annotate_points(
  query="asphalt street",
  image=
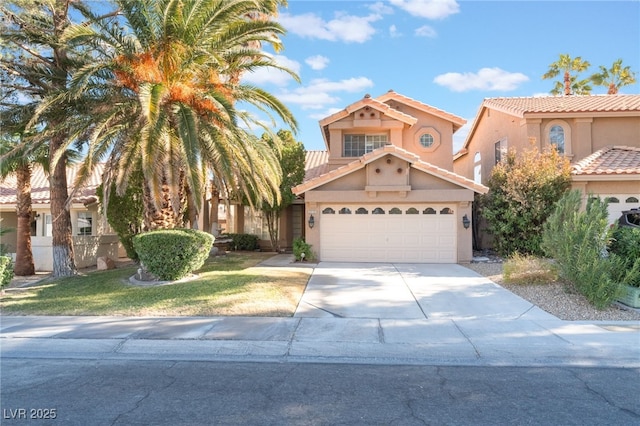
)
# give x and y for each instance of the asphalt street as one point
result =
(117, 392)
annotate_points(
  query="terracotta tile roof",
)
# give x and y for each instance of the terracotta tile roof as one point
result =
(565, 104)
(40, 186)
(373, 103)
(398, 152)
(612, 160)
(315, 164)
(457, 121)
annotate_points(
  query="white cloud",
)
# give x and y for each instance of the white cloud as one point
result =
(265, 75)
(430, 9)
(381, 8)
(317, 62)
(321, 92)
(494, 79)
(425, 31)
(325, 114)
(344, 27)
(393, 31)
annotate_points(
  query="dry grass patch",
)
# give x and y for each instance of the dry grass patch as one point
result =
(524, 269)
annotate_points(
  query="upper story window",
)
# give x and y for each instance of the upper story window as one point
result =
(556, 137)
(358, 145)
(426, 140)
(500, 150)
(557, 133)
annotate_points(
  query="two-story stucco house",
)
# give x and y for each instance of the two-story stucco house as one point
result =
(600, 134)
(385, 191)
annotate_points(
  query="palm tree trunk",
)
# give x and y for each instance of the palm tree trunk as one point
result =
(24, 256)
(62, 242)
(160, 217)
(567, 83)
(64, 264)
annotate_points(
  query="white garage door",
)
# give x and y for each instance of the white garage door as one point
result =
(619, 203)
(403, 233)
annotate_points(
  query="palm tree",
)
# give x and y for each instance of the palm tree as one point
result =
(20, 166)
(614, 78)
(570, 85)
(164, 90)
(35, 68)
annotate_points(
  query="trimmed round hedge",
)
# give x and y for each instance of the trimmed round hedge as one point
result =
(172, 254)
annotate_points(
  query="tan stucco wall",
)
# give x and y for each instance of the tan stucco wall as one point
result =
(587, 135)
(494, 126)
(425, 188)
(398, 134)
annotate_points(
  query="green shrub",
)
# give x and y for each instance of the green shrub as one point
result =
(528, 269)
(125, 213)
(578, 240)
(300, 247)
(522, 191)
(173, 254)
(6, 271)
(626, 244)
(243, 242)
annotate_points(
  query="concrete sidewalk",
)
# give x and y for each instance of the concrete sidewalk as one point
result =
(421, 314)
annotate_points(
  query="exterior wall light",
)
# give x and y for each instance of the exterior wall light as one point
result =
(465, 221)
(312, 221)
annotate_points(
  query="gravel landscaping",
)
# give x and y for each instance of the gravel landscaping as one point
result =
(557, 298)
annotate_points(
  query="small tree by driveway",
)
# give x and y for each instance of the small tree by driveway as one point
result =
(522, 191)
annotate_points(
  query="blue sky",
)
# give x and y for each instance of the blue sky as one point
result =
(448, 54)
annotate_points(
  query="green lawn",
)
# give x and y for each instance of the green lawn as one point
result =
(226, 285)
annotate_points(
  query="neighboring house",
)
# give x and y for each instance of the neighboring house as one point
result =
(385, 191)
(599, 134)
(92, 236)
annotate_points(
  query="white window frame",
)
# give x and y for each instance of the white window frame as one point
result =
(568, 152)
(84, 216)
(371, 142)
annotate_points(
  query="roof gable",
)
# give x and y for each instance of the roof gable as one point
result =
(393, 96)
(411, 158)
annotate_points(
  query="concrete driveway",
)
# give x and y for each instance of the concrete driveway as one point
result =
(409, 291)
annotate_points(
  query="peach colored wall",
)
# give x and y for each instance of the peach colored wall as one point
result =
(441, 156)
(587, 135)
(494, 126)
(616, 131)
(629, 187)
(398, 133)
(388, 170)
